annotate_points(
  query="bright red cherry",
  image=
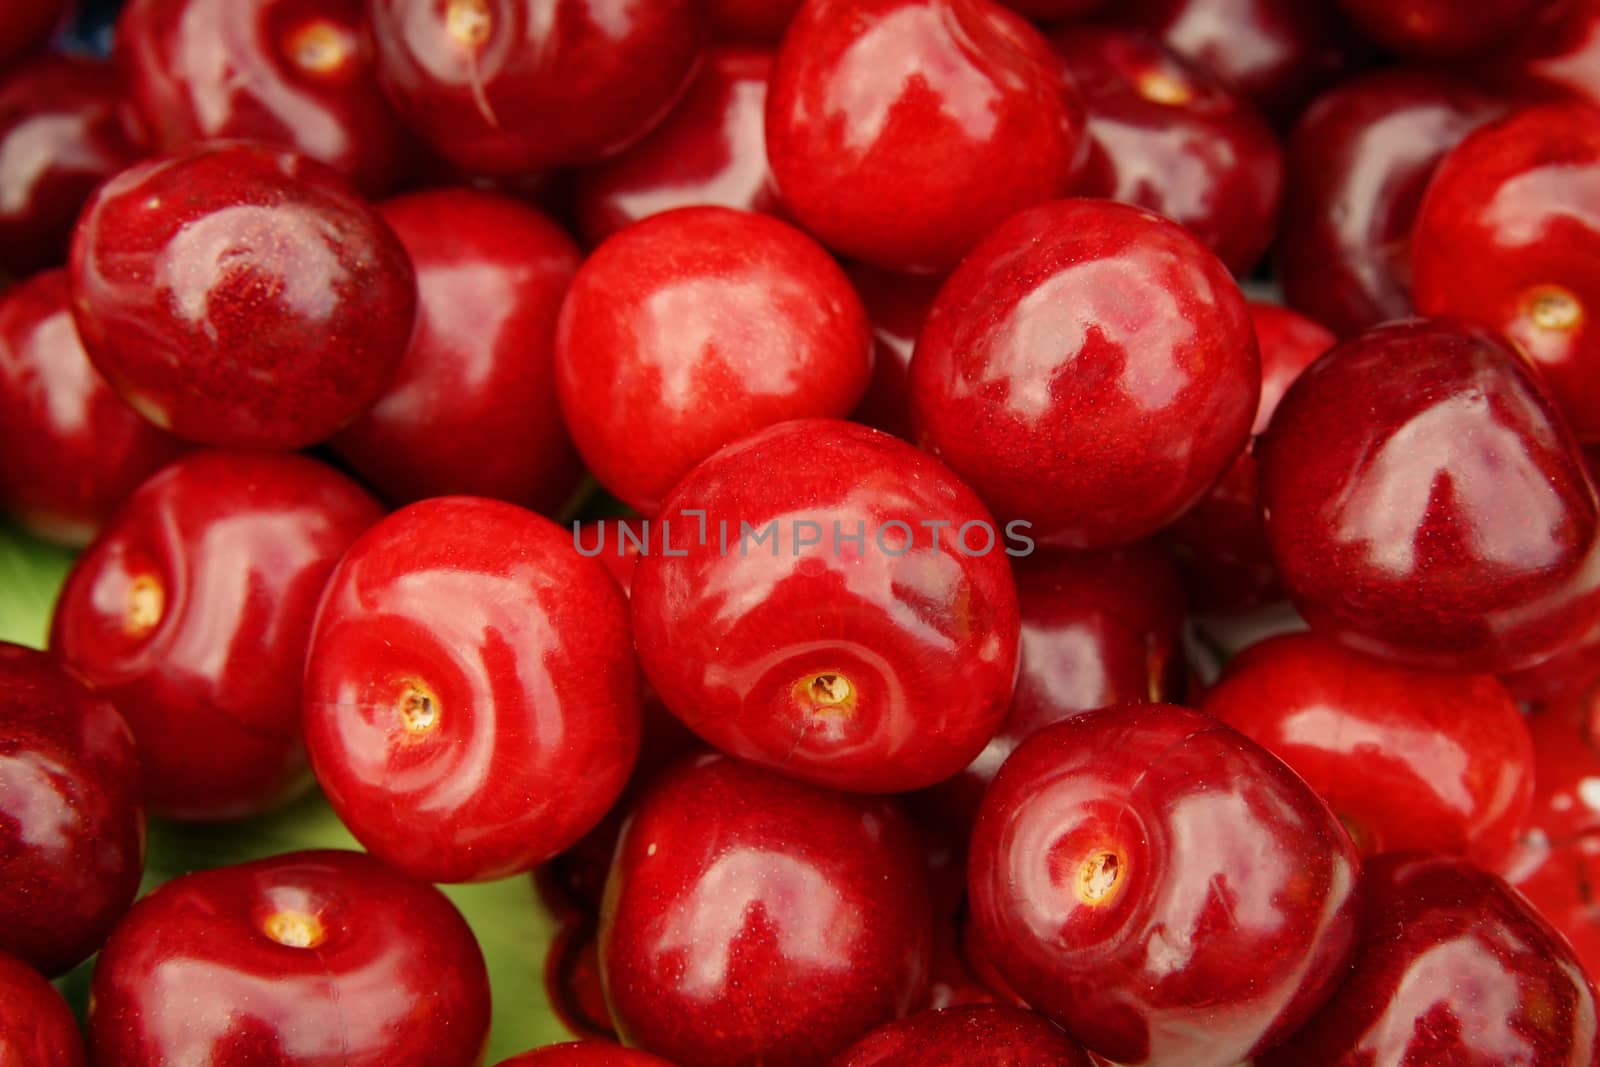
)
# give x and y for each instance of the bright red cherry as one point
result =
(506, 86)
(240, 295)
(902, 131)
(697, 327)
(1167, 134)
(1444, 30)
(761, 21)
(1509, 236)
(308, 958)
(1452, 967)
(1558, 56)
(859, 629)
(71, 817)
(897, 305)
(753, 919)
(471, 698)
(1161, 886)
(74, 451)
(36, 1027)
(585, 1054)
(472, 409)
(192, 611)
(25, 25)
(1090, 368)
(961, 1037)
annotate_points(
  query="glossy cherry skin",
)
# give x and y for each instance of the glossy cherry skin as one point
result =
(1359, 162)
(1559, 880)
(240, 295)
(60, 136)
(1441, 30)
(902, 131)
(1161, 886)
(1407, 758)
(844, 636)
(897, 305)
(761, 21)
(1090, 368)
(1509, 236)
(36, 1027)
(960, 1037)
(753, 919)
(471, 699)
(296, 73)
(712, 149)
(585, 1054)
(697, 327)
(1452, 967)
(1558, 56)
(1167, 134)
(192, 611)
(24, 26)
(507, 86)
(71, 815)
(472, 408)
(305, 958)
(74, 451)
(1425, 503)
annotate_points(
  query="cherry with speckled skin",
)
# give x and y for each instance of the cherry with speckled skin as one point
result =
(472, 408)
(74, 451)
(71, 817)
(240, 295)
(192, 611)
(694, 328)
(36, 1026)
(961, 1037)
(298, 959)
(897, 305)
(1407, 758)
(902, 131)
(1444, 31)
(1509, 235)
(1090, 368)
(1168, 135)
(60, 136)
(753, 919)
(1559, 881)
(24, 26)
(1557, 57)
(1451, 967)
(1359, 161)
(585, 1054)
(870, 650)
(471, 699)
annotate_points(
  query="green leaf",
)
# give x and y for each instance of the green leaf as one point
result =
(31, 573)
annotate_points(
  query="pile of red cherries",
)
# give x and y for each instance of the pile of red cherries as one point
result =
(873, 713)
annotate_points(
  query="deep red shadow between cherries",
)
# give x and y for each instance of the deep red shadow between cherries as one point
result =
(24, 26)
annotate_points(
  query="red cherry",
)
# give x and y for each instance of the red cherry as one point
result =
(572, 977)
(1560, 881)
(192, 612)
(902, 131)
(1443, 30)
(506, 86)
(74, 451)
(1509, 236)
(472, 409)
(1452, 967)
(833, 638)
(1053, 10)
(1408, 759)
(960, 1037)
(1167, 134)
(239, 295)
(1556, 57)
(1161, 886)
(71, 818)
(1426, 504)
(695, 328)
(752, 919)
(897, 305)
(36, 1028)
(471, 700)
(585, 1054)
(305, 958)
(24, 26)
(762, 21)
(1090, 368)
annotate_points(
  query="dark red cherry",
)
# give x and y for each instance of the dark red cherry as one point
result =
(902, 131)
(848, 617)
(897, 305)
(305, 958)
(1091, 369)
(1556, 57)
(585, 1054)
(26, 24)
(192, 611)
(472, 408)
(471, 699)
(1451, 967)
(241, 295)
(961, 1037)
(712, 149)
(295, 73)
(697, 327)
(1444, 30)
(1053, 10)
(1509, 236)
(1161, 886)
(761, 21)
(1167, 134)
(71, 817)
(508, 86)
(1425, 502)
(753, 919)
(74, 451)
(36, 1027)
(1562, 882)
(1407, 758)
(60, 136)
